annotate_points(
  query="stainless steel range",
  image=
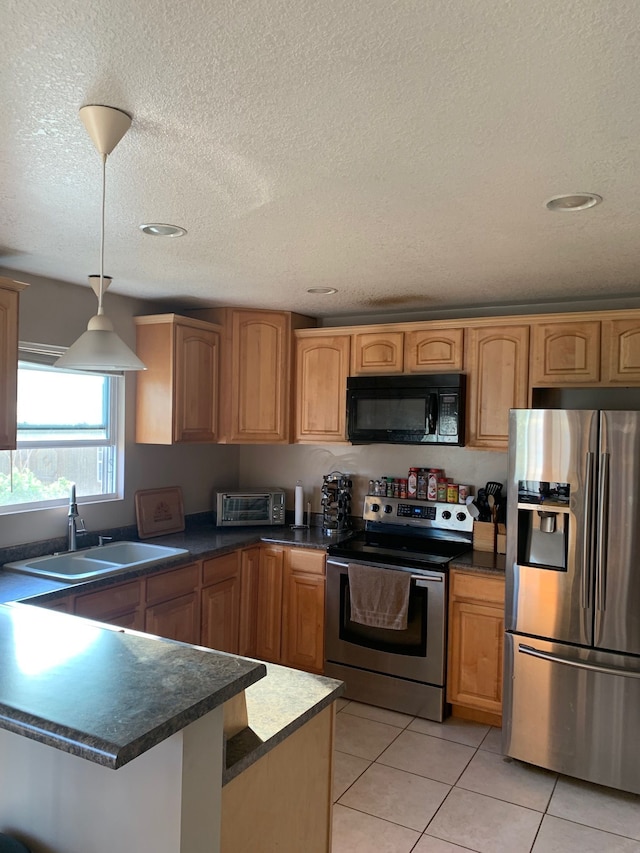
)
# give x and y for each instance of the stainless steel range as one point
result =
(403, 670)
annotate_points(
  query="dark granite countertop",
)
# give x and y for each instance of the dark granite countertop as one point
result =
(104, 694)
(202, 543)
(480, 561)
(276, 706)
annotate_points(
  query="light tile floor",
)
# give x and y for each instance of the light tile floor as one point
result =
(404, 784)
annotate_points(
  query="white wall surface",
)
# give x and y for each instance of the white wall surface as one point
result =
(284, 465)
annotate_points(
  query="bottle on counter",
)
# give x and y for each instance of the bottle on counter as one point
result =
(403, 489)
(371, 488)
(412, 483)
(422, 485)
(442, 490)
(390, 489)
(432, 484)
(452, 493)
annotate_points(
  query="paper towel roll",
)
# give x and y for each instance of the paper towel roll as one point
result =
(299, 511)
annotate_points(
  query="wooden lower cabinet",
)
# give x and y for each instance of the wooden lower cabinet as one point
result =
(282, 803)
(476, 630)
(303, 609)
(249, 578)
(269, 623)
(221, 602)
(171, 600)
(177, 619)
(119, 605)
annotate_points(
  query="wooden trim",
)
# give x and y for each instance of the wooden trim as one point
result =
(489, 719)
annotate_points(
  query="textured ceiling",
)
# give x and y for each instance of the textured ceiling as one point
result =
(398, 150)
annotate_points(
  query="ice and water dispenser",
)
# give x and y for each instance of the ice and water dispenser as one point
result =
(543, 524)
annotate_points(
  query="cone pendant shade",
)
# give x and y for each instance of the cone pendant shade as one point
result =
(100, 348)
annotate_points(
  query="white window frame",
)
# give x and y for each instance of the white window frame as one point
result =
(46, 355)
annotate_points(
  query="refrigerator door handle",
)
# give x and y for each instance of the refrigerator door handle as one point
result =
(578, 664)
(603, 533)
(587, 555)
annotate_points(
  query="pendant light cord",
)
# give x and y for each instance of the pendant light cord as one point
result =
(104, 184)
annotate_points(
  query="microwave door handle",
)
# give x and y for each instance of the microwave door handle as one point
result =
(432, 414)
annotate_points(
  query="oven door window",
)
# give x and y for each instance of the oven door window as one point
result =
(247, 508)
(412, 641)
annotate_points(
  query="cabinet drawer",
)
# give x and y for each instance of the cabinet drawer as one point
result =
(312, 562)
(481, 588)
(117, 599)
(172, 584)
(220, 568)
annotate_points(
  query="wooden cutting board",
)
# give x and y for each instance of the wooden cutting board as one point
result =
(159, 511)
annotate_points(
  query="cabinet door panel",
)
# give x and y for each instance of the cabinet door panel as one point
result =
(498, 366)
(109, 603)
(621, 352)
(270, 604)
(475, 671)
(304, 622)
(565, 353)
(433, 349)
(249, 579)
(260, 375)
(377, 353)
(177, 619)
(196, 384)
(322, 367)
(220, 615)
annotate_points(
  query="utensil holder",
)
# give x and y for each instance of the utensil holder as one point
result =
(484, 536)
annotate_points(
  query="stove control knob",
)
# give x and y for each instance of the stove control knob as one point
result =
(388, 508)
(375, 507)
(446, 515)
(461, 516)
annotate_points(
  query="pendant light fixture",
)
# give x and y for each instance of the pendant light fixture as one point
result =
(100, 348)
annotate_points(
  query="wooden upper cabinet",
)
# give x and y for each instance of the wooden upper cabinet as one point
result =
(432, 350)
(322, 367)
(258, 387)
(565, 353)
(497, 360)
(376, 353)
(177, 396)
(621, 352)
(9, 296)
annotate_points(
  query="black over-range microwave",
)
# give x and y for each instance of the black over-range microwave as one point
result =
(420, 409)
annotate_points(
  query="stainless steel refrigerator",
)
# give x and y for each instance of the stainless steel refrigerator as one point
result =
(572, 613)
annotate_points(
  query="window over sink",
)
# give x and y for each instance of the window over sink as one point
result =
(67, 433)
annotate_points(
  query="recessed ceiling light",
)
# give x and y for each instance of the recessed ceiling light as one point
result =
(158, 229)
(573, 201)
(326, 291)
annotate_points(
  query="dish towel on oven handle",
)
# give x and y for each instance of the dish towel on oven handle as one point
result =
(379, 597)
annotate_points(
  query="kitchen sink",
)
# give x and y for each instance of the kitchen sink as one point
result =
(98, 562)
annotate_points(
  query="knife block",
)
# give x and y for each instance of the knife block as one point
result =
(484, 536)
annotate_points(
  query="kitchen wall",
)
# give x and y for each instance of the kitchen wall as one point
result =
(284, 465)
(56, 313)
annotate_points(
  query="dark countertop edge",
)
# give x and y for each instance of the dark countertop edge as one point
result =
(253, 753)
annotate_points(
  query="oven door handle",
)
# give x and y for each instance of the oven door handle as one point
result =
(421, 580)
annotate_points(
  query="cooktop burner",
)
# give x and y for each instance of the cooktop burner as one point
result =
(396, 551)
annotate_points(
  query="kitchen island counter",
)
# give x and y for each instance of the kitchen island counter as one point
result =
(104, 694)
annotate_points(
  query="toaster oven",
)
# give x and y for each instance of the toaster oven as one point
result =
(246, 507)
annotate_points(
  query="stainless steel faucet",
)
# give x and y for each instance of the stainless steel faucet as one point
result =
(76, 523)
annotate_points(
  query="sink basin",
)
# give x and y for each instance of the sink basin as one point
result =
(102, 561)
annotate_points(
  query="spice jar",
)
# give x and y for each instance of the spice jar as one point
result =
(452, 493)
(442, 490)
(412, 483)
(422, 485)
